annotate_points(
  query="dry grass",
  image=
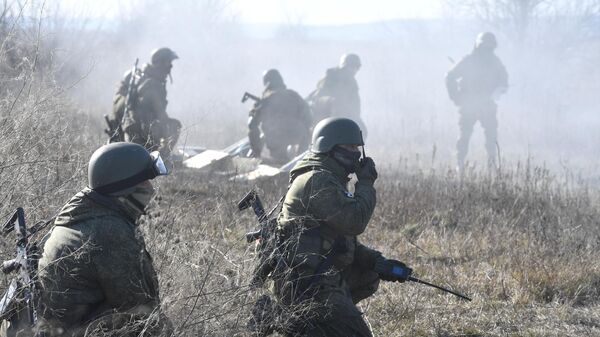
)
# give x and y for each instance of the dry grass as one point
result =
(521, 244)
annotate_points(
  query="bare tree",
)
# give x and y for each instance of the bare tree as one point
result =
(516, 18)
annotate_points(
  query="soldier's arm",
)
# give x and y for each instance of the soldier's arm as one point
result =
(452, 77)
(152, 100)
(122, 268)
(365, 257)
(324, 85)
(502, 76)
(329, 202)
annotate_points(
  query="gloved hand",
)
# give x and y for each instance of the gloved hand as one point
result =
(392, 270)
(366, 170)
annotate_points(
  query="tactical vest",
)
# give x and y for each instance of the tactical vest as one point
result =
(313, 248)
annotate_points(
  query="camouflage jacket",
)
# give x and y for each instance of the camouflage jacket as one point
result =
(339, 92)
(94, 264)
(283, 114)
(152, 96)
(150, 104)
(320, 218)
(475, 78)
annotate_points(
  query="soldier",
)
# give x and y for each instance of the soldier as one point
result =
(473, 85)
(95, 272)
(324, 271)
(336, 94)
(146, 122)
(284, 118)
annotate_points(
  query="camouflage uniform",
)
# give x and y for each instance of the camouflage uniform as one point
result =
(284, 118)
(324, 271)
(95, 272)
(336, 96)
(472, 84)
(148, 123)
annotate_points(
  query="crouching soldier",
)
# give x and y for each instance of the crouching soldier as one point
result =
(323, 270)
(284, 118)
(96, 276)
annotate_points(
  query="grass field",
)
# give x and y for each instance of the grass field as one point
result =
(521, 243)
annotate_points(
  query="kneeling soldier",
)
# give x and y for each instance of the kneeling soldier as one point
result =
(323, 270)
(95, 273)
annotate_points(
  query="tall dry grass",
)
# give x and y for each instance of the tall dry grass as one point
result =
(523, 243)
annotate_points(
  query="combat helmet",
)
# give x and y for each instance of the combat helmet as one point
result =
(162, 55)
(117, 167)
(334, 131)
(272, 77)
(486, 39)
(350, 60)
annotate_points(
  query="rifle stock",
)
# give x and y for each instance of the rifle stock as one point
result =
(130, 99)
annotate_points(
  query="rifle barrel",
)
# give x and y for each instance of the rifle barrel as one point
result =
(416, 280)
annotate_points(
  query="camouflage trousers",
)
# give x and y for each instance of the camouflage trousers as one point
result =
(329, 312)
(485, 113)
(361, 285)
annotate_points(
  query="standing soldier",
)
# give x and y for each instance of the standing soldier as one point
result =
(144, 118)
(284, 118)
(323, 270)
(473, 85)
(95, 273)
(337, 93)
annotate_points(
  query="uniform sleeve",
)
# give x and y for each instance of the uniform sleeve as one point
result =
(330, 203)
(324, 85)
(502, 76)
(124, 269)
(365, 256)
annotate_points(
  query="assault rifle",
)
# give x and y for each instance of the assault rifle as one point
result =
(115, 128)
(251, 199)
(248, 95)
(18, 304)
(264, 235)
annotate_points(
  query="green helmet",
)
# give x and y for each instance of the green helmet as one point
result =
(350, 60)
(119, 166)
(272, 77)
(162, 55)
(333, 131)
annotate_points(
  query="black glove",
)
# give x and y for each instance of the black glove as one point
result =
(392, 270)
(366, 170)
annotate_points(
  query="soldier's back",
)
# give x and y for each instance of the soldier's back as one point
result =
(82, 270)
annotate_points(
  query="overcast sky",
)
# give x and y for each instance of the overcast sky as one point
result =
(314, 12)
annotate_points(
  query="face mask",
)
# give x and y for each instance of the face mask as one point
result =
(140, 198)
(347, 159)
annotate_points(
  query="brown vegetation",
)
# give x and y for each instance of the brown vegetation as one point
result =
(523, 243)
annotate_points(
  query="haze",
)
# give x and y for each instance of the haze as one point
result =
(550, 114)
